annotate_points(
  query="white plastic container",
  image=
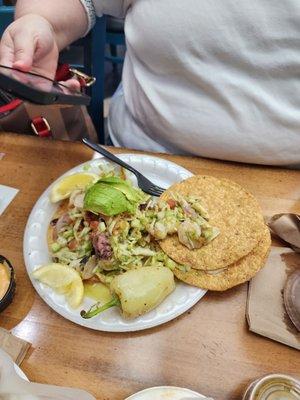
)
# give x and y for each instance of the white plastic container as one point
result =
(274, 387)
(167, 393)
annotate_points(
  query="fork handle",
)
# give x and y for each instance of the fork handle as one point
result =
(109, 155)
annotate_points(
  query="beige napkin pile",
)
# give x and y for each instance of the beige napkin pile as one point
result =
(287, 228)
(15, 347)
(266, 313)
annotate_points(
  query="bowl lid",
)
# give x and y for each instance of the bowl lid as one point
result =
(274, 387)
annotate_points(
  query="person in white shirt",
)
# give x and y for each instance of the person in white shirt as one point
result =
(218, 79)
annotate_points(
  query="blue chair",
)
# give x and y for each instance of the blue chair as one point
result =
(93, 63)
(114, 37)
(6, 16)
(94, 49)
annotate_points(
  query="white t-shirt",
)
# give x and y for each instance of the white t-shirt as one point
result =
(214, 78)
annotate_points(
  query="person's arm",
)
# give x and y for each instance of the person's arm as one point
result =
(40, 30)
(67, 17)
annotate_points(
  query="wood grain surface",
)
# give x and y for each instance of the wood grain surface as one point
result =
(208, 349)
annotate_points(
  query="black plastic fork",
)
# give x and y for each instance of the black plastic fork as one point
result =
(143, 183)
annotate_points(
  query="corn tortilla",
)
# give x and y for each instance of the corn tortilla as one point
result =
(231, 209)
(237, 273)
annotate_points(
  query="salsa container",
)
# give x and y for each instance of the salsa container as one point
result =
(274, 387)
(8, 296)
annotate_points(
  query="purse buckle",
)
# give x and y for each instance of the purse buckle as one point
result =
(41, 127)
(81, 76)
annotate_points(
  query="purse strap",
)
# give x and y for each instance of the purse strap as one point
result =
(65, 72)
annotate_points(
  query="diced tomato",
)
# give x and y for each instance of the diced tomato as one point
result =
(72, 244)
(94, 225)
(172, 203)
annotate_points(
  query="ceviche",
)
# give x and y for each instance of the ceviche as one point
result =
(106, 227)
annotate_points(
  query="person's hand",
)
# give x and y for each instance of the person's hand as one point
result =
(29, 44)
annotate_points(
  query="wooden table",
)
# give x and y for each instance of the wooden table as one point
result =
(208, 349)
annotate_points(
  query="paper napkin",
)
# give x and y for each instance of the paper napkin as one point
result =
(266, 313)
(7, 194)
(287, 228)
(14, 346)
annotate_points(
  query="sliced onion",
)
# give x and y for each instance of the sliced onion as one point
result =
(89, 267)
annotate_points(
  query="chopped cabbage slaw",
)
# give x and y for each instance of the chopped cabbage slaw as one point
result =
(100, 246)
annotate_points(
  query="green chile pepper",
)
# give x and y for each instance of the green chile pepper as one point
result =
(137, 291)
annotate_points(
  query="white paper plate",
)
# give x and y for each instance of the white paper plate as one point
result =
(165, 393)
(162, 172)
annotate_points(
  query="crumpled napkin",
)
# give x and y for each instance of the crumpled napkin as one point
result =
(287, 228)
(13, 387)
(7, 195)
(14, 346)
(266, 313)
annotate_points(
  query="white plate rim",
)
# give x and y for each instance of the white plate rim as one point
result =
(63, 312)
(189, 392)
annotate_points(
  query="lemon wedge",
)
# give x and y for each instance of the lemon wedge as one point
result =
(63, 188)
(64, 280)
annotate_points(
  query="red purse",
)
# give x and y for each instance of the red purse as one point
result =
(59, 121)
